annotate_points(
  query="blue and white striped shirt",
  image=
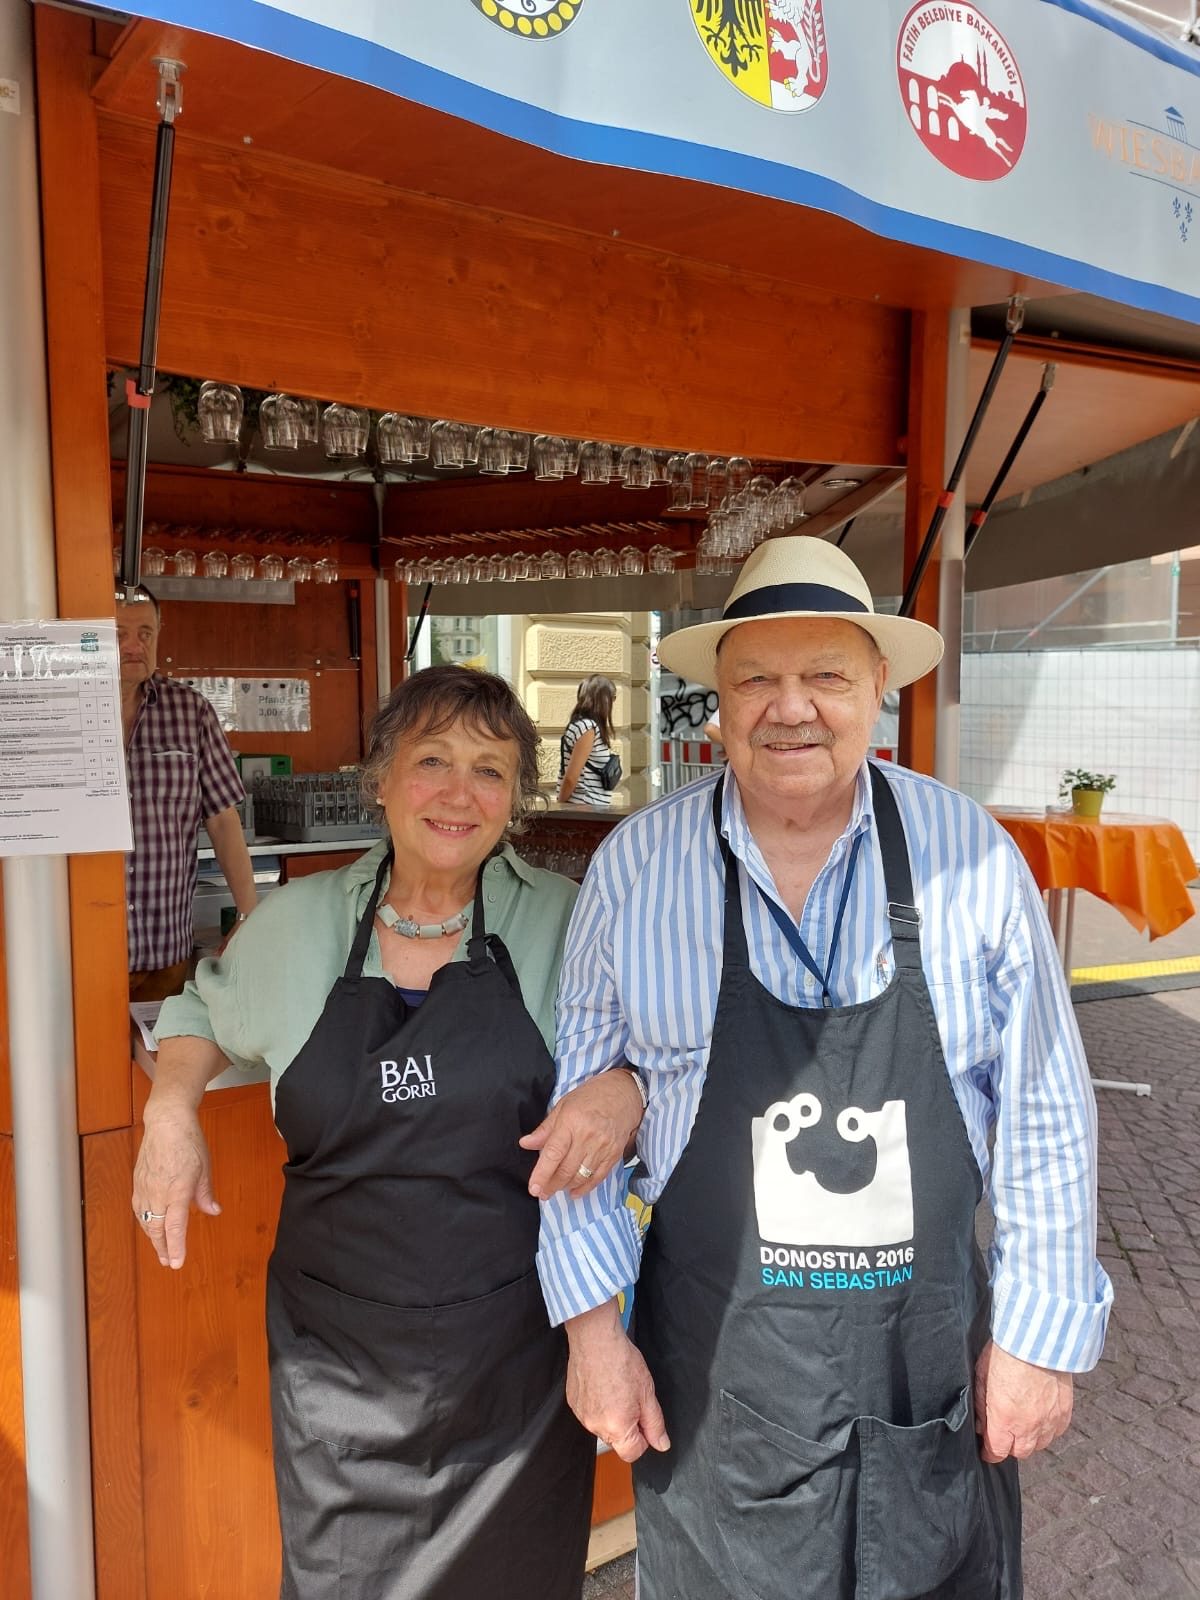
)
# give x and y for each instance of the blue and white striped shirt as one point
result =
(640, 978)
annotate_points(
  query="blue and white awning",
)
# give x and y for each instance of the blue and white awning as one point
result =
(1049, 137)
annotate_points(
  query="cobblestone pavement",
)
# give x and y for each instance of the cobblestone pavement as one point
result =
(1113, 1511)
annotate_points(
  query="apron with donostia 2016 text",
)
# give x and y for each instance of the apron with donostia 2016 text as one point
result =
(812, 1303)
(423, 1446)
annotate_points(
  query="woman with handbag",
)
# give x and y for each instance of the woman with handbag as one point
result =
(588, 770)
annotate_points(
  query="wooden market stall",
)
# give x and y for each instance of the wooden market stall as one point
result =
(330, 239)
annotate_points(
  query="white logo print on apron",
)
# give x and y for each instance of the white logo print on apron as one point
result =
(795, 1208)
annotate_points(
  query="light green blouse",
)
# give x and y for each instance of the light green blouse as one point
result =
(261, 999)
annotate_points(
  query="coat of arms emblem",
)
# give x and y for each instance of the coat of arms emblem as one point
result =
(774, 51)
(962, 90)
(531, 19)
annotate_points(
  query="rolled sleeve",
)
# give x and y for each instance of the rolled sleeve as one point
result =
(1051, 1297)
(220, 782)
(212, 1006)
(590, 1249)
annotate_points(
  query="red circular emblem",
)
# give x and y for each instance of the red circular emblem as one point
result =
(962, 89)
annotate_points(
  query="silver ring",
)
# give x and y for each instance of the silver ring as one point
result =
(584, 1172)
(151, 1216)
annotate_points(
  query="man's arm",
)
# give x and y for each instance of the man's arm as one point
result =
(590, 1247)
(233, 858)
(1050, 1296)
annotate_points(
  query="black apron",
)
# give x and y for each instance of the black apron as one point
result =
(812, 1301)
(423, 1446)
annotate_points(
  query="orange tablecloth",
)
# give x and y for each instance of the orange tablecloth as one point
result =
(1141, 865)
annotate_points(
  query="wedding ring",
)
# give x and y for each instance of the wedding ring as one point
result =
(152, 1216)
(585, 1172)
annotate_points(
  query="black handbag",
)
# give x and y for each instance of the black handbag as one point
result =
(610, 773)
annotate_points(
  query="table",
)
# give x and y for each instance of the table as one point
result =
(1140, 865)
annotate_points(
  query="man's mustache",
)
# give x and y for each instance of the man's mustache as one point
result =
(800, 736)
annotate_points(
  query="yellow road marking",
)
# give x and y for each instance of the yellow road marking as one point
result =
(1136, 969)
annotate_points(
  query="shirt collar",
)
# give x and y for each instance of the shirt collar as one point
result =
(742, 842)
(364, 869)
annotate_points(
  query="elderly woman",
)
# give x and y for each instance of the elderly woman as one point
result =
(405, 1008)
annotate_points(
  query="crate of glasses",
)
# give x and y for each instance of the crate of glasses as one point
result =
(313, 807)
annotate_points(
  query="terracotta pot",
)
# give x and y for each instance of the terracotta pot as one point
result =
(1087, 802)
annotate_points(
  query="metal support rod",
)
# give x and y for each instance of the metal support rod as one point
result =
(1059, 609)
(140, 393)
(416, 633)
(845, 533)
(54, 1379)
(1016, 316)
(980, 515)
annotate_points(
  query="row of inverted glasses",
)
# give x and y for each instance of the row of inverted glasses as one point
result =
(216, 564)
(603, 563)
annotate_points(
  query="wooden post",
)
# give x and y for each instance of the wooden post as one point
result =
(74, 289)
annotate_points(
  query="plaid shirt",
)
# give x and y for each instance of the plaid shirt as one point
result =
(181, 771)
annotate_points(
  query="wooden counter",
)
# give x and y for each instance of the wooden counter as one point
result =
(180, 1409)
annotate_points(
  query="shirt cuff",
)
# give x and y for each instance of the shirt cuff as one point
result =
(589, 1266)
(1047, 1330)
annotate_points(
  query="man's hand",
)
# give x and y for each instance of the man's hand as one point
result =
(172, 1174)
(1019, 1408)
(587, 1132)
(609, 1387)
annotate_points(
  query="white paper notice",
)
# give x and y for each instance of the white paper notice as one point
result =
(62, 761)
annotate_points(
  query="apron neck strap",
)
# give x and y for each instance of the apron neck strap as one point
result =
(736, 954)
(362, 936)
(903, 916)
(477, 945)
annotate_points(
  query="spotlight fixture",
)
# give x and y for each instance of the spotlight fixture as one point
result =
(841, 483)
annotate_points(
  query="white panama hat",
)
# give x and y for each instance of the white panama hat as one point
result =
(799, 576)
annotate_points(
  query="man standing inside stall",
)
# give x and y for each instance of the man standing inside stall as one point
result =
(838, 986)
(181, 774)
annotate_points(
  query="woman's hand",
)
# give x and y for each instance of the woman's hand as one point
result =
(581, 1140)
(173, 1173)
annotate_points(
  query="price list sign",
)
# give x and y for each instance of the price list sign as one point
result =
(62, 762)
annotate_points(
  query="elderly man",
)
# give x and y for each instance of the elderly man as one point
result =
(840, 991)
(181, 773)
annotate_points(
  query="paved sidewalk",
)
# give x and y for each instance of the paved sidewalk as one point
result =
(1113, 1512)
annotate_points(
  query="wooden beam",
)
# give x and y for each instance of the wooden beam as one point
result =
(70, 182)
(928, 356)
(852, 504)
(114, 1366)
(319, 282)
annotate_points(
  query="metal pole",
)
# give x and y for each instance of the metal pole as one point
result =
(948, 694)
(1016, 316)
(980, 515)
(140, 394)
(37, 914)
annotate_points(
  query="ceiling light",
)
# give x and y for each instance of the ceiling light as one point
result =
(841, 483)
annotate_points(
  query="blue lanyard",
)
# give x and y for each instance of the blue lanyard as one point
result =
(792, 934)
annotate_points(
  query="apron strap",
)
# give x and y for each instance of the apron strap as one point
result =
(902, 912)
(736, 954)
(362, 936)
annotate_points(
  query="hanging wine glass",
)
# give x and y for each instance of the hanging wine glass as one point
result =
(325, 570)
(219, 408)
(345, 429)
(216, 564)
(154, 562)
(242, 566)
(184, 562)
(279, 418)
(271, 568)
(309, 421)
(299, 569)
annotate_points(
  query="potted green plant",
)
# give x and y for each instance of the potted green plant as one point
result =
(1087, 790)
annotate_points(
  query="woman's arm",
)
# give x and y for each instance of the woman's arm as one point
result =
(579, 755)
(173, 1171)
